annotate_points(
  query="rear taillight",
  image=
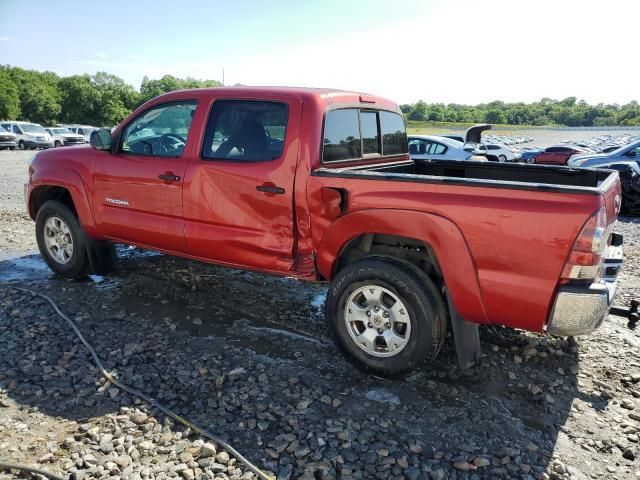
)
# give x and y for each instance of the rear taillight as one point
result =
(584, 261)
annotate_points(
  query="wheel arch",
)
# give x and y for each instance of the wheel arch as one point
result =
(65, 186)
(412, 236)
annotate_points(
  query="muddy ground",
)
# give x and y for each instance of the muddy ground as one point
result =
(248, 357)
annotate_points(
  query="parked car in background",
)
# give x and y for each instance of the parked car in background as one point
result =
(558, 154)
(7, 139)
(629, 172)
(432, 147)
(621, 154)
(458, 138)
(529, 153)
(29, 135)
(501, 152)
(63, 137)
(84, 130)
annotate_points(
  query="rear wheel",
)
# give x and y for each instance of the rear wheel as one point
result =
(386, 316)
(61, 241)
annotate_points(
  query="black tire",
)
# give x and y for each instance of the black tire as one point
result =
(12, 148)
(57, 144)
(22, 145)
(78, 265)
(502, 158)
(418, 293)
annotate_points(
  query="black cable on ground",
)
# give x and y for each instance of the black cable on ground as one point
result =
(27, 468)
(138, 393)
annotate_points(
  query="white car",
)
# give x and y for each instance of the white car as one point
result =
(500, 152)
(7, 139)
(432, 147)
(29, 135)
(84, 130)
(63, 136)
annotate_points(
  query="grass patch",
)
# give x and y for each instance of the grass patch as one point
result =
(416, 127)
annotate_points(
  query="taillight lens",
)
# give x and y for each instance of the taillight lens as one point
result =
(585, 258)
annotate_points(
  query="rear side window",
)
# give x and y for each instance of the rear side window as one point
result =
(245, 130)
(352, 134)
(437, 149)
(394, 135)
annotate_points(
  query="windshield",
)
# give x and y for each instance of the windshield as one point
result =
(32, 128)
(61, 131)
(3, 129)
(621, 150)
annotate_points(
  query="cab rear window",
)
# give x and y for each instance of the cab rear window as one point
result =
(353, 134)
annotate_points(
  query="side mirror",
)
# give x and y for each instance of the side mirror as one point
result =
(469, 147)
(101, 139)
(631, 153)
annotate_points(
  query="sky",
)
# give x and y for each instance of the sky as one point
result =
(450, 51)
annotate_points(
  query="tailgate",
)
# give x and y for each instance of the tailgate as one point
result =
(612, 198)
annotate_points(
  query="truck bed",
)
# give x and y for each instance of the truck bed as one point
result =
(484, 174)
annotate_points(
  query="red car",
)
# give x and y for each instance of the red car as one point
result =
(318, 185)
(559, 154)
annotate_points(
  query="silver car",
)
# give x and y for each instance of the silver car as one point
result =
(626, 153)
(63, 136)
(7, 139)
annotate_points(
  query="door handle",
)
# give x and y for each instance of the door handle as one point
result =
(272, 189)
(169, 177)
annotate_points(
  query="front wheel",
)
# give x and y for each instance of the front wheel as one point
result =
(61, 241)
(22, 145)
(502, 158)
(386, 316)
(57, 144)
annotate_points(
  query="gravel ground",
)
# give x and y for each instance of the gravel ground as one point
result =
(247, 357)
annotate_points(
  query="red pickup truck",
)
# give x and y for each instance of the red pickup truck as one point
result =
(317, 184)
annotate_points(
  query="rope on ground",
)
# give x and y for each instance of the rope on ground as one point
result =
(151, 401)
(27, 468)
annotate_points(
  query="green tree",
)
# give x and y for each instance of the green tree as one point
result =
(418, 111)
(9, 97)
(495, 116)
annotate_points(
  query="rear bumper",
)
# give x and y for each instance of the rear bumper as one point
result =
(579, 310)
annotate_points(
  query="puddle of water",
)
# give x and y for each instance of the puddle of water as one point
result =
(318, 300)
(127, 251)
(383, 395)
(29, 267)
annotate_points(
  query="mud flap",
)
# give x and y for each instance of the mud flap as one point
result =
(102, 256)
(466, 337)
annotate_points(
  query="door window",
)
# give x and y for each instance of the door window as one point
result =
(417, 146)
(17, 130)
(245, 130)
(161, 131)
